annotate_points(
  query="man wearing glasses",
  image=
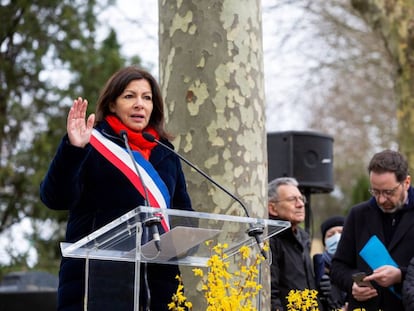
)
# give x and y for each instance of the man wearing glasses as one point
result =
(378, 238)
(291, 266)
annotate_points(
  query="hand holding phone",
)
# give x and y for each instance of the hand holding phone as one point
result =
(358, 278)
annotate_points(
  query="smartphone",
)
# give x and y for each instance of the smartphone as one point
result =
(357, 277)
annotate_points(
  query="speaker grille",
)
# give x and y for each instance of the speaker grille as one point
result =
(307, 156)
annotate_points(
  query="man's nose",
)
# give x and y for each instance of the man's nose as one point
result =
(381, 198)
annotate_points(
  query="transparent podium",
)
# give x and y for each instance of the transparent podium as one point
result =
(118, 250)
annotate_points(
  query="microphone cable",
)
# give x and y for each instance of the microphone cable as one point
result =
(253, 231)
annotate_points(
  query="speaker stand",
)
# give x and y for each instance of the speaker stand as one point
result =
(308, 210)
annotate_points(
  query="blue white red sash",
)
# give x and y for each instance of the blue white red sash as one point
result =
(158, 195)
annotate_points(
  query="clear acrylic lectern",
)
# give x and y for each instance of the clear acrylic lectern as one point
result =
(118, 245)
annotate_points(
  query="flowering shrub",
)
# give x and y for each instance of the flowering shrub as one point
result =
(224, 290)
(179, 301)
(305, 300)
(227, 291)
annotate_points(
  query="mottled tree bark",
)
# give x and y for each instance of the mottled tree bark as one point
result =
(394, 20)
(211, 75)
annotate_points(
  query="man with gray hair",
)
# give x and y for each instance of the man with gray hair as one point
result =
(291, 267)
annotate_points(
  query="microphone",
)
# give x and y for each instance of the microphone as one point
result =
(255, 232)
(150, 221)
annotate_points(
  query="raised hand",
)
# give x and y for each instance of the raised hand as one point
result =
(79, 129)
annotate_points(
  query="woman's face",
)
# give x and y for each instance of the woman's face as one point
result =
(134, 106)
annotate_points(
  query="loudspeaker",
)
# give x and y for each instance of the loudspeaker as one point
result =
(306, 156)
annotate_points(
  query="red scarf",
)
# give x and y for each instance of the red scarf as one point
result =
(135, 139)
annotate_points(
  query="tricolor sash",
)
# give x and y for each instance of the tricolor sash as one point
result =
(158, 195)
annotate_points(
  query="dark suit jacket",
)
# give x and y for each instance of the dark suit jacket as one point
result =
(364, 221)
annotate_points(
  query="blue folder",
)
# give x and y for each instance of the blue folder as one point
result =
(376, 255)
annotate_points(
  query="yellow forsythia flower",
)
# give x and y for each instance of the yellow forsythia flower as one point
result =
(225, 290)
(305, 300)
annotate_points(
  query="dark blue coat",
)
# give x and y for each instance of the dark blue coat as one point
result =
(336, 298)
(365, 220)
(95, 192)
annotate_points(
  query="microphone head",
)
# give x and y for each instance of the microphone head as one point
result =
(148, 137)
(123, 133)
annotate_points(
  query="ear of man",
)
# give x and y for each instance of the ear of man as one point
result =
(272, 209)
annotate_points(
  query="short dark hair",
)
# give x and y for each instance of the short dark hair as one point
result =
(389, 161)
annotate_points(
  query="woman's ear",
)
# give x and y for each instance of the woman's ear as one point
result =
(112, 107)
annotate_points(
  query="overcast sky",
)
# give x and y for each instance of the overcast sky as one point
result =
(278, 67)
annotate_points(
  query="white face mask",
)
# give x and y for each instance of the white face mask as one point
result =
(331, 243)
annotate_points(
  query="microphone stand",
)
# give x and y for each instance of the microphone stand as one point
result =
(253, 231)
(150, 221)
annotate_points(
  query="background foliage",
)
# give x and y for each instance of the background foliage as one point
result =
(49, 55)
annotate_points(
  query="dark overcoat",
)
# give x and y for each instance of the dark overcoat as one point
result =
(95, 192)
(364, 221)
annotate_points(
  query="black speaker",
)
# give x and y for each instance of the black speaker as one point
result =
(306, 156)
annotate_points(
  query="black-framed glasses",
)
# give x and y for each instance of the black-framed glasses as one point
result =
(387, 193)
(294, 199)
